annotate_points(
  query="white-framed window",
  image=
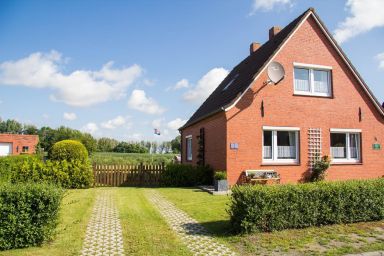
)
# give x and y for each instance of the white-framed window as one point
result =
(312, 80)
(280, 144)
(188, 140)
(345, 145)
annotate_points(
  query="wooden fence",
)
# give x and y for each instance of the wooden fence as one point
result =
(127, 175)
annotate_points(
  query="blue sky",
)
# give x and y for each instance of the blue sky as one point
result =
(122, 68)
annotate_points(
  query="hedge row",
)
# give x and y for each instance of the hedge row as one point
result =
(68, 174)
(185, 175)
(268, 208)
(28, 214)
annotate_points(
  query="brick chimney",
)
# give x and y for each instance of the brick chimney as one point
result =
(273, 31)
(253, 47)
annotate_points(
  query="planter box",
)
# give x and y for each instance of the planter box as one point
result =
(221, 185)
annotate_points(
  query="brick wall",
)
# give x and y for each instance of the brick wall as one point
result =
(19, 141)
(282, 108)
(215, 141)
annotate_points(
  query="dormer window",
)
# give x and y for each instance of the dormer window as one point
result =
(231, 82)
(312, 80)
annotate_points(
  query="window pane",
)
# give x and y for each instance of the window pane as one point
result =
(286, 145)
(302, 80)
(189, 148)
(321, 81)
(354, 145)
(267, 145)
(338, 145)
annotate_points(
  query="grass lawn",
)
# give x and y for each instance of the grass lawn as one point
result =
(328, 240)
(130, 158)
(74, 215)
(144, 231)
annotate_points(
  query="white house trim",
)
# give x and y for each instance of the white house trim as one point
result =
(188, 136)
(377, 105)
(344, 130)
(280, 128)
(311, 66)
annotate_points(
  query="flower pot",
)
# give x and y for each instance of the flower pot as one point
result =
(221, 185)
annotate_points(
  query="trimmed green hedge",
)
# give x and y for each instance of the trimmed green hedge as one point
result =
(268, 208)
(28, 214)
(186, 175)
(68, 174)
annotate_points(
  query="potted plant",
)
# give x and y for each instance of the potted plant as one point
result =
(221, 183)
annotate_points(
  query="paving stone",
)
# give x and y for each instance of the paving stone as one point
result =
(195, 236)
(104, 235)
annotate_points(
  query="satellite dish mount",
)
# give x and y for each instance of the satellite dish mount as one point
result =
(276, 73)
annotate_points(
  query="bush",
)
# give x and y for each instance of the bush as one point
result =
(69, 150)
(185, 175)
(319, 169)
(220, 175)
(29, 214)
(68, 174)
(268, 208)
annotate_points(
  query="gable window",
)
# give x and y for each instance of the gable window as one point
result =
(280, 144)
(188, 144)
(312, 80)
(345, 145)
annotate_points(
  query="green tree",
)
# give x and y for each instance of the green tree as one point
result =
(106, 144)
(11, 126)
(176, 144)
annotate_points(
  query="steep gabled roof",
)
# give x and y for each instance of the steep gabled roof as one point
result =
(249, 69)
(245, 72)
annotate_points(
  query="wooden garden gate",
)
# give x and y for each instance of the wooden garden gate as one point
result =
(127, 175)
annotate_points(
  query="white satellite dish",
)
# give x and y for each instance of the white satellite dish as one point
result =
(276, 72)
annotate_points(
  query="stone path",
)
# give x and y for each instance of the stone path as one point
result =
(198, 240)
(104, 236)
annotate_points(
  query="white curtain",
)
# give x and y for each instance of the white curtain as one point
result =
(321, 81)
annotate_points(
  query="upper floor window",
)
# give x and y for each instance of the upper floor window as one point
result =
(25, 149)
(312, 80)
(188, 140)
(280, 145)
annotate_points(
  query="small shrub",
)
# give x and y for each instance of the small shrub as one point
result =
(269, 208)
(29, 214)
(69, 150)
(185, 175)
(220, 175)
(319, 169)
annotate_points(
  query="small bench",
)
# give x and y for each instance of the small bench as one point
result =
(262, 177)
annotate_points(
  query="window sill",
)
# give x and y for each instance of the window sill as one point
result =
(313, 95)
(280, 164)
(347, 163)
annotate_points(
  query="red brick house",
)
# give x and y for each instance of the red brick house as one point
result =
(16, 144)
(322, 105)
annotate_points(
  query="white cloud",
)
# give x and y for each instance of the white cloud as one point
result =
(268, 5)
(364, 16)
(91, 128)
(176, 124)
(69, 116)
(206, 85)
(157, 123)
(183, 83)
(79, 88)
(139, 101)
(380, 57)
(114, 123)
